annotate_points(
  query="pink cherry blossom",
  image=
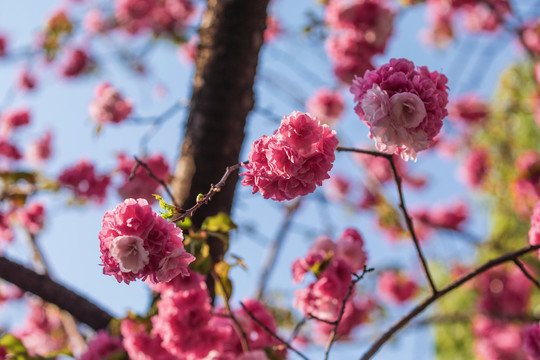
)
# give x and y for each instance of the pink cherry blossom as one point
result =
(137, 243)
(3, 45)
(531, 35)
(32, 217)
(531, 341)
(13, 119)
(27, 80)
(40, 150)
(94, 22)
(134, 15)
(292, 161)
(326, 105)
(534, 230)
(102, 346)
(141, 345)
(450, 216)
(480, 16)
(142, 185)
(85, 183)
(6, 233)
(188, 50)
(350, 248)
(109, 106)
(74, 63)
(469, 109)
(497, 339)
(337, 188)
(396, 287)
(273, 29)
(402, 106)
(9, 151)
(475, 167)
(254, 355)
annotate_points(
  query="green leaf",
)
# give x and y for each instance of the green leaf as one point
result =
(220, 223)
(170, 210)
(13, 345)
(223, 288)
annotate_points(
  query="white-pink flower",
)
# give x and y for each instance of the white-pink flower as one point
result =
(129, 252)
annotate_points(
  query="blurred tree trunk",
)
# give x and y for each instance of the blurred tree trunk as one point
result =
(231, 36)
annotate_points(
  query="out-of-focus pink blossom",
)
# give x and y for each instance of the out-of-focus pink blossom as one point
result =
(292, 161)
(326, 105)
(3, 45)
(381, 169)
(40, 150)
(9, 151)
(273, 29)
(350, 247)
(337, 188)
(537, 74)
(480, 16)
(188, 50)
(475, 167)
(468, 109)
(134, 15)
(141, 345)
(253, 355)
(534, 230)
(13, 119)
(109, 106)
(451, 217)
(32, 217)
(396, 287)
(6, 233)
(85, 183)
(497, 339)
(94, 22)
(531, 35)
(402, 106)
(142, 185)
(137, 243)
(75, 63)
(531, 341)
(102, 346)
(503, 292)
(26, 81)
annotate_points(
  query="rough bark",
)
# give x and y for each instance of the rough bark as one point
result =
(54, 293)
(231, 36)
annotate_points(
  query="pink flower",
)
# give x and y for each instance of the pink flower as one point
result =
(10, 151)
(469, 109)
(534, 230)
(350, 248)
(254, 355)
(32, 217)
(350, 54)
(449, 217)
(531, 35)
(94, 22)
(273, 29)
(480, 16)
(326, 105)
(13, 119)
(140, 345)
(403, 106)
(395, 287)
(292, 161)
(497, 339)
(531, 341)
(6, 233)
(102, 346)
(109, 106)
(134, 15)
(137, 243)
(337, 188)
(3, 45)
(475, 167)
(142, 185)
(76, 61)
(27, 81)
(40, 150)
(85, 183)
(188, 50)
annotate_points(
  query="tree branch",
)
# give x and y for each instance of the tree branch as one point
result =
(52, 292)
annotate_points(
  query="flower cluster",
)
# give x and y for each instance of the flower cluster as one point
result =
(85, 183)
(170, 17)
(360, 30)
(187, 327)
(136, 243)
(102, 346)
(450, 217)
(403, 106)
(326, 105)
(292, 161)
(395, 287)
(479, 16)
(32, 217)
(141, 185)
(469, 110)
(109, 106)
(332, 263)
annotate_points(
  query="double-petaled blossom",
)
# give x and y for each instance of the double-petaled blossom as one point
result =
(293, 161)
(109, 106)
(403, 106)
(136, 243)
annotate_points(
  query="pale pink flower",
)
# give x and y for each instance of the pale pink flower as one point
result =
(273, 29)
(531, 341)
(350, 54)
(94, 22)
(253, 355)
(102, 346)
(537, 74)
(326, 105)
(32, 217)
(109, 106)
(137, 243)
(395, 287)
(188, 50)
(337, 188)
(6, 233)
(497, 339)
(40, 150)
(475, 167)
(13, 119)
(85, 183)
(350, 248)
(403, 106)
(293, 161)
(26, 81)
(134, 15)
(531, 35)
(480, 16)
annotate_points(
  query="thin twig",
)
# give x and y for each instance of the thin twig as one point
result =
(237, 326)
(333, 334)
(272, 333)
(153, 176)
(435, 296)
(276, 246)
(202, 200)
(296, 329)
(526, 272)
(403, 208)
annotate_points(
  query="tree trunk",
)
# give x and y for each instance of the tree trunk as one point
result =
(231, 36)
